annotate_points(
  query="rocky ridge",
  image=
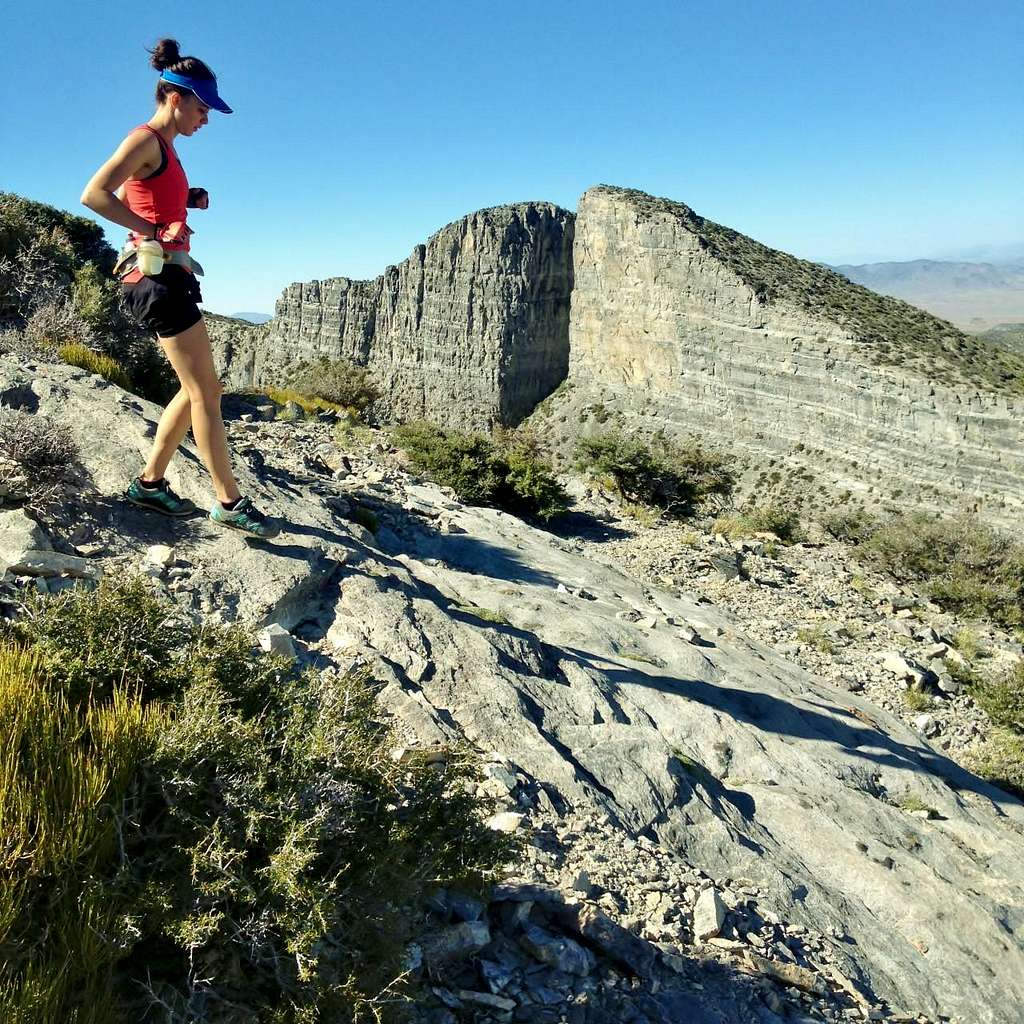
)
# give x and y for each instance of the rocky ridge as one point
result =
(630, 715)
(471, 328)
(647, 313)
(680, 325)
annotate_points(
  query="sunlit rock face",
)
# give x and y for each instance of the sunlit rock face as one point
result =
(667, 323)
(471, 330)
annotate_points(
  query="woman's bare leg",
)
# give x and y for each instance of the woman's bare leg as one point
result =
(170, 432)
(192, 359)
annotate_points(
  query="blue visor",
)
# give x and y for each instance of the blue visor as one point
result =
(205, 89)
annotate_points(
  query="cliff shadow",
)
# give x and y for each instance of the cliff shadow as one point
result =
(579, 525)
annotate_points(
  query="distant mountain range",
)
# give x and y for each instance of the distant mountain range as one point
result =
(974, 296)
(253, 318)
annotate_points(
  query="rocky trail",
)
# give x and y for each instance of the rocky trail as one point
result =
(724, 815)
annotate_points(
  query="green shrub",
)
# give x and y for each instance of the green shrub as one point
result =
(510, 474)
(1003, 698)
(491, 615)
(55, 286)
(96, 299)
(339, 382)
(65, 770)
(1000, 759)
(250, 852)
(121, 634)
(529, 486)
(965, 566)
(817, 637)
(40, 247)
(86, 359)
(851, 526)
(776, 519)
(917, 700)
(670, 477)
(300, 853)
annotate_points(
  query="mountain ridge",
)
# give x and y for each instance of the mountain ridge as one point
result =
(974, 295)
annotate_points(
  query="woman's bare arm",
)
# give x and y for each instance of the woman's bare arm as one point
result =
(137, 156)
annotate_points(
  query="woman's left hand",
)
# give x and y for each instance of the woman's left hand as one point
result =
(198, 199)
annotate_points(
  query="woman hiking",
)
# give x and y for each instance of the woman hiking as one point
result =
(152, 204)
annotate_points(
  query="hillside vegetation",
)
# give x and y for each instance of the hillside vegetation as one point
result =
(1008, 336)
(891, 332)
(59, 303)
(194, 831)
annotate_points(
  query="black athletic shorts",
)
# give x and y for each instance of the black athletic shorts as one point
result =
(166, 303)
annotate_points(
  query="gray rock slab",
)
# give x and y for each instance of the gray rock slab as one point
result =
(790, 772)
(741, 763)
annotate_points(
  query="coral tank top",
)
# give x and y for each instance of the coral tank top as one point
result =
(162, 197)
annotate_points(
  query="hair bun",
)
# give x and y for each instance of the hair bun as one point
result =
(165, 54)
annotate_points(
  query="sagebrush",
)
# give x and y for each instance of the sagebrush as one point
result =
(38, 455)
(965, 566)
(667, 476)
(507, 472)
(253, 852)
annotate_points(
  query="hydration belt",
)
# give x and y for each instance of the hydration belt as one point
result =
(174, 234)
(129, 259)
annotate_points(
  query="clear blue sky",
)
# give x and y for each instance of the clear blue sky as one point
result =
(845, 132)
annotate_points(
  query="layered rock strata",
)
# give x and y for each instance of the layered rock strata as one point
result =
(471, 330)
(663, 323)
(674, 323)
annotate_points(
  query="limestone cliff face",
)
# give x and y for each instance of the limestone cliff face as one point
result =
(675, 323)
(662, 322)
(471, 330)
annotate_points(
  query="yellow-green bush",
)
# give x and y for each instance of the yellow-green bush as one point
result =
(251, 827)
(65, 768)
(1002, 698)
(86, 359)
(783, 522)
(338, 382)
(1000, 759)
(310, 405)
(965, 566)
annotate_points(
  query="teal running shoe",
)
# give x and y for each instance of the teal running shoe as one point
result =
(160, 499)
(246, 518)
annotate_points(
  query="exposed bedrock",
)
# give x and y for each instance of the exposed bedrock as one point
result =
(663, 326)
(471, 330)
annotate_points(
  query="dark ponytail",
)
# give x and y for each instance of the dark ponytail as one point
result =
(166, 56)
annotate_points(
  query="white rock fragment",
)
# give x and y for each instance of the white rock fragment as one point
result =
(505, 821)
(52, 563)
(708, 915)
(276, 640)
(160, 554)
